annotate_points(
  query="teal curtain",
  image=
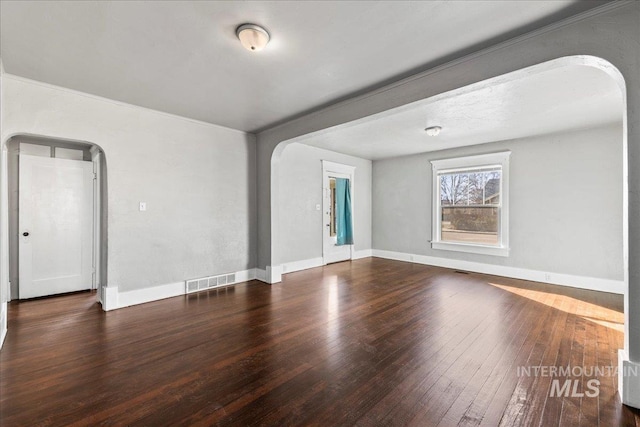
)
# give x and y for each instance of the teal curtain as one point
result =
(344, 223)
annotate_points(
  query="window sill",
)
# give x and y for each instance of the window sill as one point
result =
(474, 249)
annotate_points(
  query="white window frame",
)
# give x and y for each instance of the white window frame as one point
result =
(460, 164)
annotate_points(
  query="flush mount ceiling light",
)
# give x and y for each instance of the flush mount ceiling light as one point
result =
(253, 37)
(433, 130)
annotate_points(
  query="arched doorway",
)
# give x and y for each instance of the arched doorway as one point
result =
(571, 61)
(91, 268)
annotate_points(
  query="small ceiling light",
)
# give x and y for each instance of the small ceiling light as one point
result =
(253, 37)
(433, 130)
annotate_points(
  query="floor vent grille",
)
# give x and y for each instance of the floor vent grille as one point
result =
(196, 285)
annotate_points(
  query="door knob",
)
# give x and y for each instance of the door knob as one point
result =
(25, 234)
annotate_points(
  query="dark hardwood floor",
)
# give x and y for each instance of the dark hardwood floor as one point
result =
(369, 342)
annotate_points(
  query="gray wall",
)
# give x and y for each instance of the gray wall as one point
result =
(198, 180)
(301, 224)
(565, 203)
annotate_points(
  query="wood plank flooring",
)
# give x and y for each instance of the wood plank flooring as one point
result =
(369, 342)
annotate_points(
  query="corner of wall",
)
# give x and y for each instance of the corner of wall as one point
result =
(109, 298)
(628, 380)
(363, 253)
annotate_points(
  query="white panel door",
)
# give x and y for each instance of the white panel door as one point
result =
(331, 251)
(55, 226)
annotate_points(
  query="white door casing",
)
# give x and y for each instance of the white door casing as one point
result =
(55, 226)
(330, 251)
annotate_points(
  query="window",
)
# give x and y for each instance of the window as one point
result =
(471, 204)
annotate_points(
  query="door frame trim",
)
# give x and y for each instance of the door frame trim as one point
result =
(96, 158)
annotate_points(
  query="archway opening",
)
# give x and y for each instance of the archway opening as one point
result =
(595, 102)
(66, 152)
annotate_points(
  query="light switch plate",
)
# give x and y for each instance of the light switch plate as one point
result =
(143, 206)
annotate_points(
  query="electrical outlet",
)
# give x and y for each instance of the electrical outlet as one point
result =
(547, 277)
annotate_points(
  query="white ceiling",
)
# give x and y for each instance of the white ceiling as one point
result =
(560, 99)
(182, 57)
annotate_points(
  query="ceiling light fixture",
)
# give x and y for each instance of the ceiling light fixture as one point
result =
(253, 37)
(433, 130)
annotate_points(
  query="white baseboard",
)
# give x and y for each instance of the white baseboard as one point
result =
(113, 299)
(140, 296)
(293, 266)
(290, 267)
(591, 283)
(110, 298)
(269, 275)
(364, 253)
(3, 323)
(261, 275)
(274, 274)
(245, 275)
(628, 380)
